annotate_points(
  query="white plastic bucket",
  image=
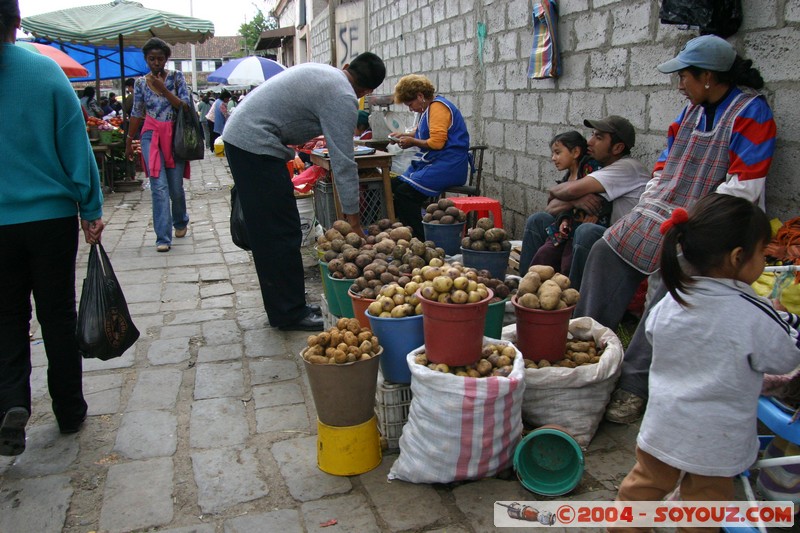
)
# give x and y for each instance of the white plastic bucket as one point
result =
(305, 207)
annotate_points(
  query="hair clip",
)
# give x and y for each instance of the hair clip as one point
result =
(679, 216)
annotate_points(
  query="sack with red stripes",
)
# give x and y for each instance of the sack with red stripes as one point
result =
(459, 427)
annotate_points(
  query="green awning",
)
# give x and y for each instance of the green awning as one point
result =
(104, 24)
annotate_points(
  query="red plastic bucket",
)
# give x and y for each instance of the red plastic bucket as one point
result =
(360, 309)
(542, 334)
(454, 332)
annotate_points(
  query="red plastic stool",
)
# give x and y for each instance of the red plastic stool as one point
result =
(481, 205)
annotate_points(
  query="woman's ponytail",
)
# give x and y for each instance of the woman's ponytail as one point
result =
(742, 74)
(673, 276)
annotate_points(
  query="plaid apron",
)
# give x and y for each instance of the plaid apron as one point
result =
(698, 163)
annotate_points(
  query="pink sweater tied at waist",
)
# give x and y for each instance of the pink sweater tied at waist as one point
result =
(160, 147)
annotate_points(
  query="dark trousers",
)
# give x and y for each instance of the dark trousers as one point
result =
(39, 258)
(273, 225)
(408, 205)
(212, 135)
(608, 286)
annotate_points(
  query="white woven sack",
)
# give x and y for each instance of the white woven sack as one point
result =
(459, 428)
(574, 398)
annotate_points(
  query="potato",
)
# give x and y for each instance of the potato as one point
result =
(471, 372)
(313, 340)
(441, 367)
(595, 359)
(549, 299)
(530, 283)
(318, 360)
(365, 357)
(484, 367)
(421, 359)
(570, 296)
(340, 357)
(581, 357)
(578, 346)
(545, 271)
(530, 300)
(562, 280)
(365, 347)
(544, 363)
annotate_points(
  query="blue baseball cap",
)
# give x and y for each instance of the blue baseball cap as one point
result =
(707, 52)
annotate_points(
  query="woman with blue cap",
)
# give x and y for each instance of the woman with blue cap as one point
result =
(722, 142)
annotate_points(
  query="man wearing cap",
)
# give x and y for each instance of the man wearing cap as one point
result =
(722, 142)
(303, 102)
(621, 180)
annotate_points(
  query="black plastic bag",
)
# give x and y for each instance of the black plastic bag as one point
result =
(105, 329)
(717, 17)
(187, 138)
(238, 227)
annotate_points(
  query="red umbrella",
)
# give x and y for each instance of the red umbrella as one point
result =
(71, 68)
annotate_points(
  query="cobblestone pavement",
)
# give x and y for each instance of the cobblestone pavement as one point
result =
(207, 424)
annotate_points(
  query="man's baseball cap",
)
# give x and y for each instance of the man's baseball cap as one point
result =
(617, 125)
(707, 52)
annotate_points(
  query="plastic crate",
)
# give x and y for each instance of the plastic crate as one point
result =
(392, 403)
(371, 204)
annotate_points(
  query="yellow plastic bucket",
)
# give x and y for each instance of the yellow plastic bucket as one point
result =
(348, 451)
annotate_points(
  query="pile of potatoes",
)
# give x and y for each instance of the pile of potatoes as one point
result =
(443, 212)
(496, 360)
(578, 353)
(484, 237)
(395, 301)
(543, 288)
(347, 342)
(451, 284)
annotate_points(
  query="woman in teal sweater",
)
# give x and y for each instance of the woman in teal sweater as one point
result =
(49, 177)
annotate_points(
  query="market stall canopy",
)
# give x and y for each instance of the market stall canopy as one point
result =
(105, 57)
(252, 70)
(71, 68)
(120, 20)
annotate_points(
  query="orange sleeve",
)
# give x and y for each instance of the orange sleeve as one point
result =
(439, 118)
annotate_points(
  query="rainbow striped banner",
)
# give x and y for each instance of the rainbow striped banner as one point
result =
(545, 59)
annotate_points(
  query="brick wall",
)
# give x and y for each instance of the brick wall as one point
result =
(610, 50)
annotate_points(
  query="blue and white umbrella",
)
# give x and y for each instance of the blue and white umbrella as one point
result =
(251, 70)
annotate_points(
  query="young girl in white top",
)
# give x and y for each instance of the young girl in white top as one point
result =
(713, 339)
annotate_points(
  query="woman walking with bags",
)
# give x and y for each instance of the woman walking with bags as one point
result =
(156, 99)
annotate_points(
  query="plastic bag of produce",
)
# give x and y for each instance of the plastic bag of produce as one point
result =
(187, 138)
(574, 398)
(104, 329)
(459, 427)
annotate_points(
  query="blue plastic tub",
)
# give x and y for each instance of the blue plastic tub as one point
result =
(494, 262)
(447, 236)
(398, 337)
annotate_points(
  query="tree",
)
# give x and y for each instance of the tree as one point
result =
(251, 31)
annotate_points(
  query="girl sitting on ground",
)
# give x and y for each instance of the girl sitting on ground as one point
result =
(568, 153)
(712, 328)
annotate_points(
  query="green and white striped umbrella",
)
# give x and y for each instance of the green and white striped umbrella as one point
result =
(111, 24)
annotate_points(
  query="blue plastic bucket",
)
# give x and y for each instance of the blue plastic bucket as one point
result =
(398, 337)
(447, 236)
(548, 461)
(494, 262)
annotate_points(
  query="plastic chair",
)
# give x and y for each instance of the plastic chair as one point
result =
(473, 185)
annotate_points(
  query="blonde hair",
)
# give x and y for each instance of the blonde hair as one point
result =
(409, 86)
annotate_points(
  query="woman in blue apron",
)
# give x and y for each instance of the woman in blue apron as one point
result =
(443, 142)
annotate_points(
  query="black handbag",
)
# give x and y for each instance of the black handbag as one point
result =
(238, 227)
(187, 136)
(717, 17)
(104, 329)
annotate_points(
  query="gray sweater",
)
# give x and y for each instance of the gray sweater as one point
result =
(295, 106)
(708, 365)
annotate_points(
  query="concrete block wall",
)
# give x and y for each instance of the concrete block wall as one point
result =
(609, 48)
